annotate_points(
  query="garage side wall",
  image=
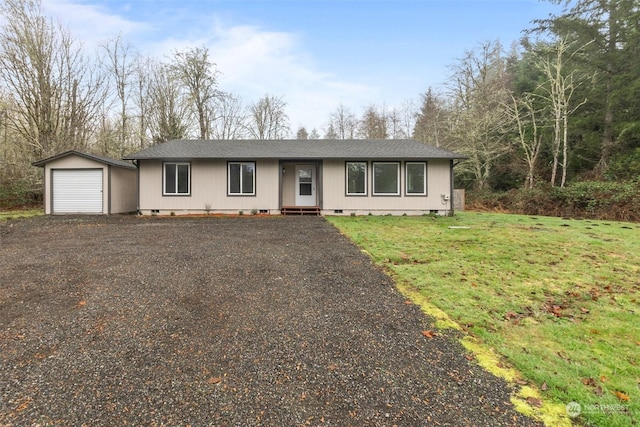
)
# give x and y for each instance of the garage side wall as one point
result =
(77, 163)
(124, 190)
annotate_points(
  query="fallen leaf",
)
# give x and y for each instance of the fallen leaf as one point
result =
(521, 382)
(544, 386)
(620, 395)
(603, 378)
(584, 310)
(214, 380)
(534, 401)
(598, 391)
(468, 357)
(510, 315)
(589, 382)
(81, 303)
(429, 334)
(408, 302)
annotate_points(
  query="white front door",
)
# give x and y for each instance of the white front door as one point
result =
(306, 185)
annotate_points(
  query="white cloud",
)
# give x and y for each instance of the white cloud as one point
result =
(256, 61)
(90, 24)
(253, 61)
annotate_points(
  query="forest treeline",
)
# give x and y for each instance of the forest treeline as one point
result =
(559, 108)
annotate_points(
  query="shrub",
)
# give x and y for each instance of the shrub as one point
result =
(20, 193)
(590, 199)
(624, 166)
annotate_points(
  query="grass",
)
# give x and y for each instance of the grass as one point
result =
(557, 299)
(21, 213)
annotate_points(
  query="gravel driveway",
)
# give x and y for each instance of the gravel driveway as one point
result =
(220, 321)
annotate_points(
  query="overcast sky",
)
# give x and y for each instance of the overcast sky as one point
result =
(317, 54)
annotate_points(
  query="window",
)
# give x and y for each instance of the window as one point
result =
(386, 178)
(176, 179)
(242, 178)
(416, 175)
(356, 178)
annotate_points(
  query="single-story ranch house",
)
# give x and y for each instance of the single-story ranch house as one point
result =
(256, 176)
(295, 176)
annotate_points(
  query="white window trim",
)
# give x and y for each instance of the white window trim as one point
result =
(229, 193)
(164, 179)
(406, 178)
(366, 171)
(373, 179)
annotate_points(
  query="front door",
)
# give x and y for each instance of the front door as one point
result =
(306, 185)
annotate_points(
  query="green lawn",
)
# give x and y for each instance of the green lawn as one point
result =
(557, 299)
(23, 213)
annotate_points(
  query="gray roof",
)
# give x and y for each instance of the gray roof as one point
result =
(356, 149)
(105, 160)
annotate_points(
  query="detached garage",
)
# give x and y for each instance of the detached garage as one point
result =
(81, 183)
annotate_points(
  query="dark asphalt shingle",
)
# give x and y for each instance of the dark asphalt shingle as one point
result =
(294, 149)
(101, 159)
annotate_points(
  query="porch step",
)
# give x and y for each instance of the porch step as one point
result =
(300, 210)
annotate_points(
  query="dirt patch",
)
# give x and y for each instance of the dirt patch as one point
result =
(220, 321)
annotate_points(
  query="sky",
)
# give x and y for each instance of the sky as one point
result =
(315, 54)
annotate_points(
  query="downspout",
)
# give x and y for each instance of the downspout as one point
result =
(135, 162)
(319, 196)
(108, 189)
(280, 183)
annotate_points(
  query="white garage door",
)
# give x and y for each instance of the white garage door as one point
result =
(77, 191)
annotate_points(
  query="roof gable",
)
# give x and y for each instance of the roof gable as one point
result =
(105, 160)
(294, 149)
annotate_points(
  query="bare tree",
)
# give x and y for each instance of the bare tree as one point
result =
(199, 77)
(55, 89)
(120, 66)
(558, 90)
(231, 118)
(480, 92)
(11, 150)
(167, 115)
(343, 123)
(395, 125)
(526, 118)
(407, 115)
(268, 119)
(144, 68)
